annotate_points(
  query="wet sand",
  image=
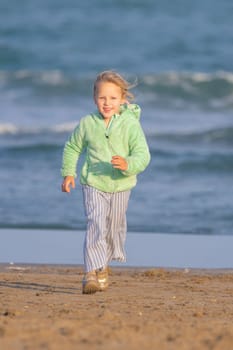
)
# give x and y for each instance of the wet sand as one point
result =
(42, 307)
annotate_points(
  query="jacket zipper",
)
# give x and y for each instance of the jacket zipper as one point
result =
(111, 149)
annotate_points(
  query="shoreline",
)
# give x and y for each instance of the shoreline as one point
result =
(24, 267)
(42, 307)
(62, 247)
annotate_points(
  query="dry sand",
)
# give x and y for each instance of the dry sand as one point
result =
(42, 307)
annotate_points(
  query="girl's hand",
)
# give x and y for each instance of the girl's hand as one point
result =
(119, 162)
(67, 182)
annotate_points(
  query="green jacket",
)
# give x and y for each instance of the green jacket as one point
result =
(123, 136)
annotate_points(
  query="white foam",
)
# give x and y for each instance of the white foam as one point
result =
(11, 129)
(8, 129)
(65, 127)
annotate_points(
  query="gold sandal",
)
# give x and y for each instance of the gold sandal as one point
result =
(90, 283)
(102, 277)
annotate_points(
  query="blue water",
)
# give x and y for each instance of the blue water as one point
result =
(180, 52)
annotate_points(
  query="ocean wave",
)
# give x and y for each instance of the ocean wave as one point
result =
(220, 135)
(207, 90)
(46, 82)
(12, 129)
(32, 148)
(212, 163)
(168, 89)
(194, 163)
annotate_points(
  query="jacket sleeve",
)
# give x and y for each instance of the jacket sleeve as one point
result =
(139, 156)
(72, 150)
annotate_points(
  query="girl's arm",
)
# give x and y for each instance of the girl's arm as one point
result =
(139, 156)
(71, 153)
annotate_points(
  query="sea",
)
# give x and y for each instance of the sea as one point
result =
(179, 54)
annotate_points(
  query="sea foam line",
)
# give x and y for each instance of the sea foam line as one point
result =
(12, 129)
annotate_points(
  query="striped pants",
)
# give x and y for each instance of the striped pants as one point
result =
(106, 227)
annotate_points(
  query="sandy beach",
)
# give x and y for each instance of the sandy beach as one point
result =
(42, 307)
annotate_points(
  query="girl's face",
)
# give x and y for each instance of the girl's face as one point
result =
(108, 99)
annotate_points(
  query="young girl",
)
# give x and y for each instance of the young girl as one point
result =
(116, 151)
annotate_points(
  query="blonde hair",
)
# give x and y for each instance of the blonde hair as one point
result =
(115, 78)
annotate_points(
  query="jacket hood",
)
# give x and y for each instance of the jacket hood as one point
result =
(133, 109)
